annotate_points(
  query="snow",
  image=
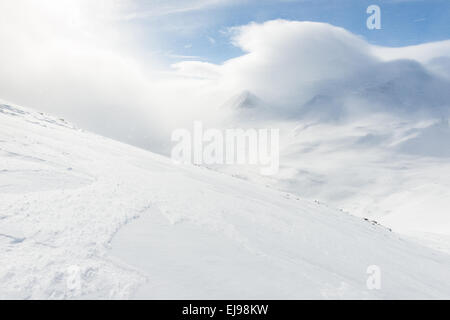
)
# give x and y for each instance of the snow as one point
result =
(138, 226)
(388, 168)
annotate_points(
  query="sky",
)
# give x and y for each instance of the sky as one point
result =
(134, 70)
(203, 32)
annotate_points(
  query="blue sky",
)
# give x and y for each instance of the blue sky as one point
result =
(201, 32)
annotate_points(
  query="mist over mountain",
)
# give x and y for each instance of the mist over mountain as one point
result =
(338, 77)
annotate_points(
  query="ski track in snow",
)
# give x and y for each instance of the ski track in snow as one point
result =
(65, 193)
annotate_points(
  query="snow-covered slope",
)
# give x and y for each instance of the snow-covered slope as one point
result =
(66, 195)
(391, 169)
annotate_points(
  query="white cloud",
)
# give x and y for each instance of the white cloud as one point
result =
(295, 65)
(70, 58)
(286, 59)
(155, 8)
(211, 40)
(423, 52)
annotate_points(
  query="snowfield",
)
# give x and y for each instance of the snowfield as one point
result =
(390, 169)
(138, 226)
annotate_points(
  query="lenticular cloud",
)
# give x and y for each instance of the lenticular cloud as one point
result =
(309, 68)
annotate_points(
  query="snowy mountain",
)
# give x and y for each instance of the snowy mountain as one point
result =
(131, 224)
(243, 100)
(402, 87)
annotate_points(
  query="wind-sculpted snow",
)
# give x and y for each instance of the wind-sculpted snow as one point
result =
(65, 194)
